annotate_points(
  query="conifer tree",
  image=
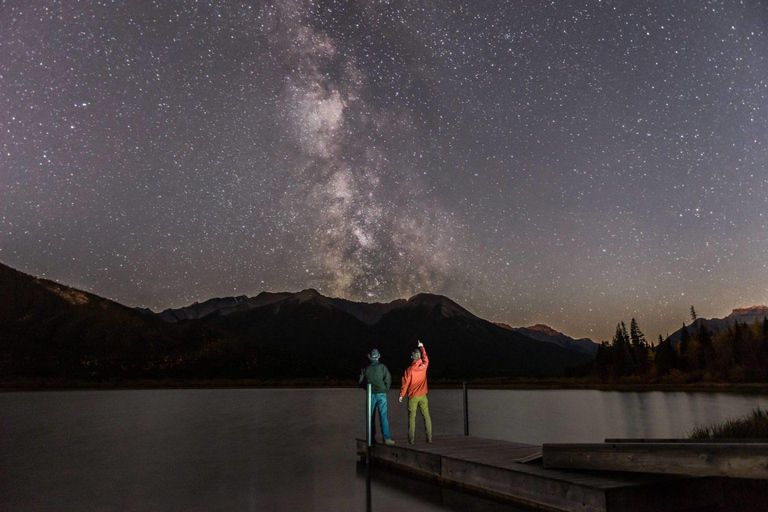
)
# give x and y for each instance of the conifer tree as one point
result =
(625, 364)
(694, 316)
(664, 356)
(602, 360)
(636, 336)
(639, 348)
(683, 346)
(737, 338)
(618, 338)
(738, 353)
(705, 342)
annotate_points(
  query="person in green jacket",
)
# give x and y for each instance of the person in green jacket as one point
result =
(377, 375)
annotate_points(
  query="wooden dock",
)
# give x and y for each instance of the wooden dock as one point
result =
(514, 472)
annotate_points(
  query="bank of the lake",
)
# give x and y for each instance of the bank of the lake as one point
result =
(501, 383)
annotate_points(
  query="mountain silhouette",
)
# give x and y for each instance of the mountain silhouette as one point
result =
(744, 315)
(334, 333)
(48, 330)
(222, 306)
(545, 333)
(466, 345)
(368, 313)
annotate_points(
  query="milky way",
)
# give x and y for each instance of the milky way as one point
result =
(570, 163)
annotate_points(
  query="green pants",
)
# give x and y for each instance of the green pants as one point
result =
(422, 404)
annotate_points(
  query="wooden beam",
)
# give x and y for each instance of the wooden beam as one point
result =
(683, 440)
(732, 460)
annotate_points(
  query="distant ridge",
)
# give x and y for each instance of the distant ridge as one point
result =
(749, 314)
(745, 315)
(368, 313)
(547, 334)
(336, 332)
(51, 331)
(223, 306)
(439, 303)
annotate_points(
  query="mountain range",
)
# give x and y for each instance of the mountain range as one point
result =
(302, 322)
(51, 330)
(545, 333)
(368, 313)
(48, 330)
(746, 315)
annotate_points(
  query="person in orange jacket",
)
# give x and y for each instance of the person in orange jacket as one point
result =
(414, 384)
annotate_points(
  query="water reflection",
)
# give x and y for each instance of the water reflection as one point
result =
(368, 495)
(423, 492)
(285, 450)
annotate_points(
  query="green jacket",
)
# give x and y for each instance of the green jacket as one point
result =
(377, 374)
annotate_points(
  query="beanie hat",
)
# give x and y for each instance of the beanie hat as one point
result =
(374, 355)
(416, 354)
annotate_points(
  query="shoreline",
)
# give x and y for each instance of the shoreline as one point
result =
(488, 384)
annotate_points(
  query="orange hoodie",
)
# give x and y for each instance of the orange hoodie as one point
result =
(415, 377)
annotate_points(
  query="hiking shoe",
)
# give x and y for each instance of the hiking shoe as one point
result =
(389, 442)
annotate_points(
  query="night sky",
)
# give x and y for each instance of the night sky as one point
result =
(570, 163)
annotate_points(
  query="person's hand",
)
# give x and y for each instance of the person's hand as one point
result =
(400, 399)
(420, 344)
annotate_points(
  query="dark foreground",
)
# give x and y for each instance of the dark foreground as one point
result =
(514, 472)
(289, 449)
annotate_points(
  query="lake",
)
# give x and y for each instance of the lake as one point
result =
(286, 450)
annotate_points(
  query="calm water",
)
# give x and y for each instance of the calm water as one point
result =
(286, 449)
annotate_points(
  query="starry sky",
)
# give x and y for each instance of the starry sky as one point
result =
(573, 163)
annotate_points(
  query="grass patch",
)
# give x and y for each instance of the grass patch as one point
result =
(754, 426)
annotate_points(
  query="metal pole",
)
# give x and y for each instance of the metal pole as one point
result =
(368, 448)
(368, 487)
(368, 421)
(466, 410)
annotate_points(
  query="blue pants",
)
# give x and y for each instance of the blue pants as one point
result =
(379, 400)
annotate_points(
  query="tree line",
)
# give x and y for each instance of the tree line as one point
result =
(738, 353)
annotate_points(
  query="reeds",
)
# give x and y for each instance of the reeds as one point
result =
(754, 426)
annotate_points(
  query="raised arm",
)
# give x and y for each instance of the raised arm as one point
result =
(424, 358)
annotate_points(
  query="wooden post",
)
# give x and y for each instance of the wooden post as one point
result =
(466, 410)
